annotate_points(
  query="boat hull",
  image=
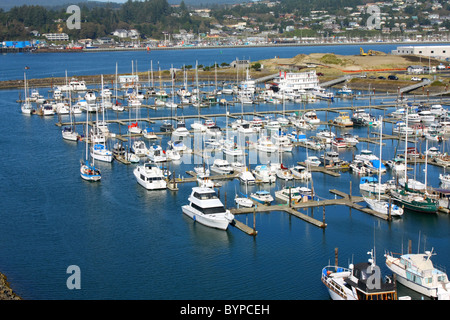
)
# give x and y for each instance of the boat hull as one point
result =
(209, 221)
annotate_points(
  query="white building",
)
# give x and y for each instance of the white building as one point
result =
(438, 52)
(56, 36)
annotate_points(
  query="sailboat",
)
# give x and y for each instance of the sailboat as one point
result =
(229, 147)
(99, 151)
(26, 107)
(117, 106)
(69, 133)
(378, 205)
(413, 199)
(88, 171)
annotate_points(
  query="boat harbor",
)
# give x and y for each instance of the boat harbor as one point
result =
(330, 118)
(215, 185)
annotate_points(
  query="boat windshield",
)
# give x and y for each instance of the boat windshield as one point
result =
(205, 196)
(211, 210)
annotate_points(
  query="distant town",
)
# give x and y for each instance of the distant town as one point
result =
(156, 24)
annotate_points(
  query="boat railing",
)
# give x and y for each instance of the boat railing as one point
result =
(330, 282)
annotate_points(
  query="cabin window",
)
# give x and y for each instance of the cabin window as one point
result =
(429, 280)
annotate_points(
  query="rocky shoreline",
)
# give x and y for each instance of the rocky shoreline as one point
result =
(6, 293)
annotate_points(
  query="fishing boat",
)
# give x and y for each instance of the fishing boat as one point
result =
(206, 208)
(150, 176)
(357, 282)
(262, 196)
(417, 272)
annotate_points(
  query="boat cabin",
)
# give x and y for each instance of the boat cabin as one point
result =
(362, 279)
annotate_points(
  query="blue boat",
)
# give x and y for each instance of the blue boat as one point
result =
(262, 196)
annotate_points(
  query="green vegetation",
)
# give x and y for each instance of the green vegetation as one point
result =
(330, 59)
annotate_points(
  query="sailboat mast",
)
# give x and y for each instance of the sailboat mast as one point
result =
(379, 165)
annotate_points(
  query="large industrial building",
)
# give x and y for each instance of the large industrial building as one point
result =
(437, 52)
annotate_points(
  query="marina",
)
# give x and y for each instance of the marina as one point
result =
(101, 225)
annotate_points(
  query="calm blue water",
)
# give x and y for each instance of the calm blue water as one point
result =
(135, 244)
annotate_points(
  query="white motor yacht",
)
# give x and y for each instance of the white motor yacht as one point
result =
(156, 154)
(150, 176)
(366, 155)
(221, 167)
(139, 148)
(262, 196)
(264, 144)
(300, 172)
(206, 208)
(417, 272)
(264, 174)
(312, 161)
(246, 177)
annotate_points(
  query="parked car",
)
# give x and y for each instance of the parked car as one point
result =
(392, 77)
(382, 78)
(415, 79)
(319, 74)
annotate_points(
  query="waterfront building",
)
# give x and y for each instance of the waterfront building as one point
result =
(438, 52)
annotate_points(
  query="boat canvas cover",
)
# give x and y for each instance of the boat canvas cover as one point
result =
(368, 180)
(378, 164)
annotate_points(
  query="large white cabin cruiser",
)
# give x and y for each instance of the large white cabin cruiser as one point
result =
(206, 208)
(150, 176)
(417, 272)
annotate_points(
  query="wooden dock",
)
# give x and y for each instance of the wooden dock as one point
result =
(293, 209)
